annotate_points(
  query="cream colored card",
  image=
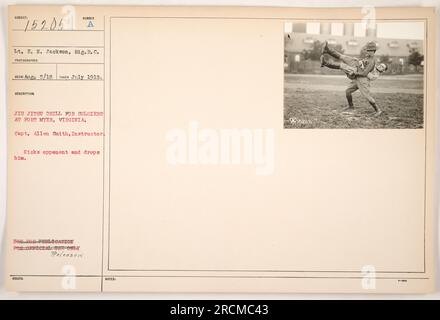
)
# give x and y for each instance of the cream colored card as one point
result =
(196, 149)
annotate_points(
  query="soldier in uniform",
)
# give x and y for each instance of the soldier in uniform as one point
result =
(360, 71)
(349, 65)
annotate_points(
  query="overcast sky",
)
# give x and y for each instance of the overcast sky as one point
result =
(393, 30)
(401, 30)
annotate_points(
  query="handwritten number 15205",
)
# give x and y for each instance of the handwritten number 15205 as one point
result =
(44, 25)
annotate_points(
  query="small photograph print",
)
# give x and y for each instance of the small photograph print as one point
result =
(354, 74)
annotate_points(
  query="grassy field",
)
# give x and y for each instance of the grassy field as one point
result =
(316, 101)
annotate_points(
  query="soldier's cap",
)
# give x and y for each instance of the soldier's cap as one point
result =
(371, 46)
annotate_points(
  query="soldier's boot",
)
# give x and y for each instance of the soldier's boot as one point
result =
(324, 47)
(330, 51)
(347, 109)
(350, 107)
(376, 108)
